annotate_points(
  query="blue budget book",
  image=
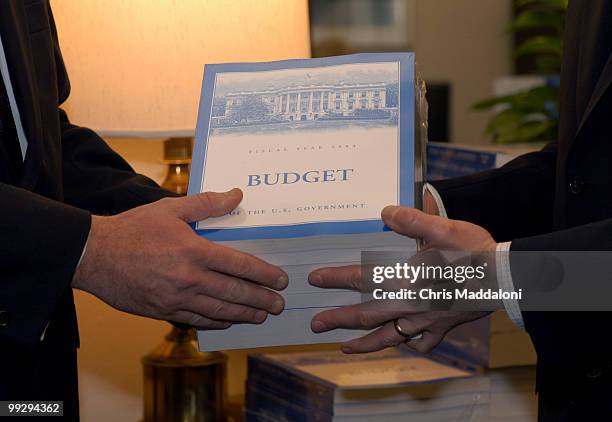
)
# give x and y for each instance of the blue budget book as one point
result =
(447, 160)
(319, 147)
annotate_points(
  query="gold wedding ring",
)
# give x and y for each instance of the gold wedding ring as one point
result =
(404, 334)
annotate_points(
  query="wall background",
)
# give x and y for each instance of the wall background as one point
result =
(465, 43)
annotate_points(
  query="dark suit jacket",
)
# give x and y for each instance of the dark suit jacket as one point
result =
(560, 199)
(69, 172)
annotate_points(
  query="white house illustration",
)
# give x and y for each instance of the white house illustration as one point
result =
(308, 102)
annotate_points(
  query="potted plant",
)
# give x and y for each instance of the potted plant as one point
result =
(532, 114)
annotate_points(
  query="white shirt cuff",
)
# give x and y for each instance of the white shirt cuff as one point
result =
(427, 187)
(504, 279)
(502, 257)
(84, 250)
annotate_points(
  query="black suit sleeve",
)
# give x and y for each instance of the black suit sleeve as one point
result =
(513, 201)
(98, 179)
(42, 241)
(588, 237)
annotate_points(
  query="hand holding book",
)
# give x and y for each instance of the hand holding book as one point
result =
(206, 285)
(427, 326)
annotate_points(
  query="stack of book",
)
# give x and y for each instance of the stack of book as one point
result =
(319, 147)
(491, 342)
(495, 344)
(298, 257)
(450, 160)
(512, 396)
(392, 385)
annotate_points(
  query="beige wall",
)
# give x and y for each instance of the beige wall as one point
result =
(464, 42)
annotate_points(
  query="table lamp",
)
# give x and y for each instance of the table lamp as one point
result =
(136, 71)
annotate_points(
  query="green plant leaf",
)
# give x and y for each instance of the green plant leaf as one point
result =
(508, 117)
(557, 4)
(535, 99)
(548, 64)
(488, 103)
(530, 19)
(531, 115)
(540, 44)
(527, 132)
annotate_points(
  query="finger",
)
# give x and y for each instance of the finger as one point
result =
(414, 223)
(235, 290)
(200, 322)
(360, 316)
(414, 324)
(204, 205)
(239, 264)
(426, 343)
(347, 277)
(384, 337)
(387, 336)
(223, 311)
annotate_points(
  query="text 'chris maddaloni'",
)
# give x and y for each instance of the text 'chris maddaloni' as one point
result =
(462, 275)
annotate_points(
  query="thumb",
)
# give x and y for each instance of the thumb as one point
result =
(413, 223)
(205, 205)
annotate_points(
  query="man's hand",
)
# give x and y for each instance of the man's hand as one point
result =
(148, 261)
(438, 234)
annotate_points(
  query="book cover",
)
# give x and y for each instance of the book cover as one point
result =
(318, 146)
(331, 383)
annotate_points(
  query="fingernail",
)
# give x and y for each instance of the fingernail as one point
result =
(282, 282)
(315, 280)
(235, 192)
(388, 211)
(278, 306)
(261, 316)
(318, 326)
(347, 349)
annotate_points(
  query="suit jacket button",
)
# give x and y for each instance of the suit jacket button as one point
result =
(595, 373)
(4, 318)
(575, 186)
(598, 371)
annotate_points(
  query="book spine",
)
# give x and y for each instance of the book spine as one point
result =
(272, 407)
(303, 391)
(250, 416)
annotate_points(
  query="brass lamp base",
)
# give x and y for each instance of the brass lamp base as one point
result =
(183, 384)
(177, 154)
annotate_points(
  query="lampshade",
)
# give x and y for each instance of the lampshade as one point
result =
(136, 66)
